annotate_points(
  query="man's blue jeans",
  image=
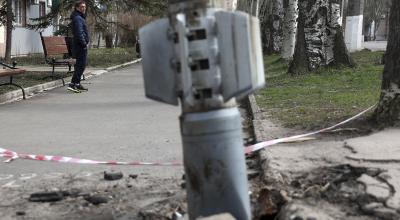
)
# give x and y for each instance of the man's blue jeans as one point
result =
(80, 54)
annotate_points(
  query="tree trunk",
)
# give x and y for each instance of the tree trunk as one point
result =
(275, 27)
(300, 63)
(338, 52)
(9, 28)
(289, 29)
(388, 111)
(323, 39)
(98, 41)
(109, 40)
(265, 10)
(341, 56)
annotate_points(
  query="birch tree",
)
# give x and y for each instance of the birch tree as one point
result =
(388, 111)
(289, 29)
(270, 13)
(320, 40)
(275, 27)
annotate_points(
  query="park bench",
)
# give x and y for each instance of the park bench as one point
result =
(56, 53)
(11, 71)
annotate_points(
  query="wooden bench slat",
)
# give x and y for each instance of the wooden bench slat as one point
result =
(55, 45)
(54, 40)
(11, 72)
(56, 49)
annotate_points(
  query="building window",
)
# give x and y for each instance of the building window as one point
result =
(20, 12)
(42, 9)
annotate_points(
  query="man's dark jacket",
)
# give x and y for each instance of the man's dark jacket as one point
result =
(79, 29)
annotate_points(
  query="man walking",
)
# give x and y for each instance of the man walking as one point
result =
(79, 45)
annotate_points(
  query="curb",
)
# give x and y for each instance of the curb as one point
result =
(256, 113)
(16, 95)
(257, 129)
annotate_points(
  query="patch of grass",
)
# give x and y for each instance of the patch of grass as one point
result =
(30, 79)
(106, 57)
(103, 57)
(30, 60)
(322, 98)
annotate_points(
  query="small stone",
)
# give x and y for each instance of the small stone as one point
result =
(133, 176)
(46, 196)
(96, 200)
(20, 213)
(112, 176)
(269, 200)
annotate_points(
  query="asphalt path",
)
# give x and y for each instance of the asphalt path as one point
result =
(112, 121)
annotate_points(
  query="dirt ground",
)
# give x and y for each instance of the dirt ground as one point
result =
(319, 179)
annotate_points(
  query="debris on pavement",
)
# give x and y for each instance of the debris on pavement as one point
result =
(270, 201)
(113, 175)
(47, 196)
(297, 210)
(96, 200)
(20, 213)
(133, 176)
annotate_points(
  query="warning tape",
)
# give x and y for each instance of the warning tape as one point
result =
(262, 145)
(11, 155)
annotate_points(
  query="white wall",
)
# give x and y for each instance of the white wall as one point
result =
(27, 41)
(353, 32)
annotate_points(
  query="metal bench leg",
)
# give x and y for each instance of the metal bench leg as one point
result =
(23, 91)
(13, 84)
(52, 73)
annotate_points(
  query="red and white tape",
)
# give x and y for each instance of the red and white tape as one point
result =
(11, 155)
(262, 145)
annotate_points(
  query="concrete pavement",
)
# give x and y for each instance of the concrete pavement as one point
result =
(375, 45)
(113, 121)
